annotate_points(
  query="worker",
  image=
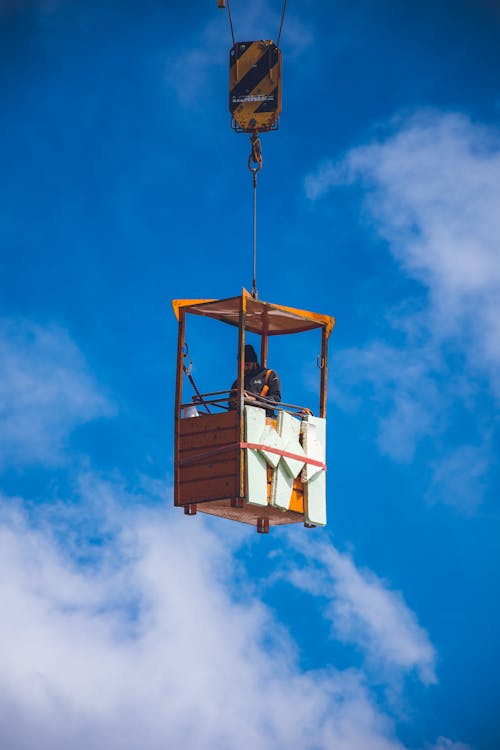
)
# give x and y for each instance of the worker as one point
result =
(258, 382)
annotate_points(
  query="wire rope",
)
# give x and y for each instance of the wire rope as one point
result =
(232, 28)
(255, 158)
(281, 24)
(256, 154)
(254, 280)
(231, 21)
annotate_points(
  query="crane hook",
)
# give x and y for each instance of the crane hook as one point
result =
(255, 156)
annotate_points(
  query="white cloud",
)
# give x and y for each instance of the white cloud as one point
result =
(437, 190)
(414, 395)
(459, 478)
(131, 628)
(409, 402)
(45, 392)
(189, 73)
(431, 191)
(363, 610)
(443, 743)
(127, 626)
(145, 646)
(318, 183)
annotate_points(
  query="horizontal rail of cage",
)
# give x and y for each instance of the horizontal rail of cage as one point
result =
(223, 403)
(227, 391)
(294, 409)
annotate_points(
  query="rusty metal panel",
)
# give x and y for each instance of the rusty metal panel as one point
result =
(204, 490)
(209, 430)
(208, 458)
(210, 468)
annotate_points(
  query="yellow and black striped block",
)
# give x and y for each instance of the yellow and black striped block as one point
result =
(255, 85)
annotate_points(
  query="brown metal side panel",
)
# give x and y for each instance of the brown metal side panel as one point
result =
(199, 442)
(209, 424)
(211, 468)
(178, 402)
(208, 458)
(204, 490)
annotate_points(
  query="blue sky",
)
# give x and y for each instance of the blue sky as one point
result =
(122, 186)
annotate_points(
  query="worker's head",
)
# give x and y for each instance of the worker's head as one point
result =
(251, 360)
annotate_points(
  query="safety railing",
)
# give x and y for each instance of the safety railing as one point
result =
(216, 401)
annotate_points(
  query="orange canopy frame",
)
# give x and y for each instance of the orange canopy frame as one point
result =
(263, 318)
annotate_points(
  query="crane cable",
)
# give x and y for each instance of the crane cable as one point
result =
(255, 157)
(221, 5)
(230, 21)
(281, 24)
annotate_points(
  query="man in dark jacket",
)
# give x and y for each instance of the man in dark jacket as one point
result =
(259, 381)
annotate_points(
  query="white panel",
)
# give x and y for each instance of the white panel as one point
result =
(314, 441)
(288, 468)
(315, 500)
(256, 467)
(289, 429)
(315, 450)
(281, 488)
(271, 438)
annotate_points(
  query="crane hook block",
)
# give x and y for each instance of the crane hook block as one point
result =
(255, 86)
(221, 3)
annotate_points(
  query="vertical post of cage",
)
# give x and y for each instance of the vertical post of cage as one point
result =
(263, 349)
(241, 395)
(178, 401)
(324, 373)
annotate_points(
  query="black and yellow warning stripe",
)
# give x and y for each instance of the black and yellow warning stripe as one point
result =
(255, 85)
